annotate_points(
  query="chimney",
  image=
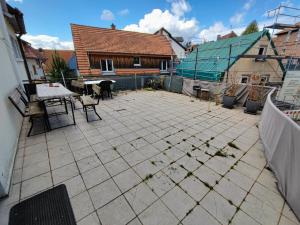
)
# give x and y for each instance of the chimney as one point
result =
(113, 26)
(218, 37)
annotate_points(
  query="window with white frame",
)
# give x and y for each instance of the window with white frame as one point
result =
(16, 48)
(245, 79)
(107, 65)
(137, 61)
(164, 65)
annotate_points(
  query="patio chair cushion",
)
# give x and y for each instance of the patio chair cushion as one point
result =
(35, 109)
(87, 100)
(33, 98)
(96, 89)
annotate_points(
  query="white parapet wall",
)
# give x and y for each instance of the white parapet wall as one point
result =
(10, 119)
(281, 139)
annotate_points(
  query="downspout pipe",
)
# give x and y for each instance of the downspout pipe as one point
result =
(24, 57)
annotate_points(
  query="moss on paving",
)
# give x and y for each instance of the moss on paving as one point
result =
(207, 144)
(191, 210)
(149, 176)
(188, 174)
(221, 153)
(230, 144)
(207, 185)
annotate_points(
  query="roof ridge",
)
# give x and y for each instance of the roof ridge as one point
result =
(108, 29)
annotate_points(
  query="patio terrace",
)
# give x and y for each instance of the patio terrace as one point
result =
(155, 158)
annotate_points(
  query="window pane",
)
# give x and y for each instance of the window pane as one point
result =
(244, 80)
(109, 65)
(136, 60)
(164, 64)
(103, 65)
(261, 51)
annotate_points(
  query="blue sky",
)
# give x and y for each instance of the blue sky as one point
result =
(48, 22)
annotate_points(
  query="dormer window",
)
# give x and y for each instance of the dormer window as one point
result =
(136, 61)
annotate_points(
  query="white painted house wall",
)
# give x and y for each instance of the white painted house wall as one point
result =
(179, 51)
(12, 73)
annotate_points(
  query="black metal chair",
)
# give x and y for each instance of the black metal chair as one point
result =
(105, 87)
(33, 110)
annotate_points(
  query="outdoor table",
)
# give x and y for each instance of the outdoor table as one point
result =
(90, 82)
(55, 91)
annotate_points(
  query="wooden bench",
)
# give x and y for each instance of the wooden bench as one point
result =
(32, 110)
(90, 103)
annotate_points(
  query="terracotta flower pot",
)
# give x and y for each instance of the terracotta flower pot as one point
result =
(228, 101)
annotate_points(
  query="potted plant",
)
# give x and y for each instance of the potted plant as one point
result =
(254, 94)
(230, 92)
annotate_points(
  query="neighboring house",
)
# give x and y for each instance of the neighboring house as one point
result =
(47, 54)
(229, 35)
(249, 54)
(191, 48)
(287, 43)
(102, 51)
(12, 74)
(176, 42)
(34, 60)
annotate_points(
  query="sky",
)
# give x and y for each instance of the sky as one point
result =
(48, 22)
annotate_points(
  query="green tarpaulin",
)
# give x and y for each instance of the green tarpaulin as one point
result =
(210, 60)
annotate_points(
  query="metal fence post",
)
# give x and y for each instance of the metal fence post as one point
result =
(196, 63)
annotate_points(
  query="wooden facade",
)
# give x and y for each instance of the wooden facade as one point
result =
(123, 64)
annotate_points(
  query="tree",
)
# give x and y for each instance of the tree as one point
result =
(251, 28)
(59, 66)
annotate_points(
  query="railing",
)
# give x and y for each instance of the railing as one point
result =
(281, 139)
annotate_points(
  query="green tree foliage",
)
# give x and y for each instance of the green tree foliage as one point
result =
(251, 28)
(59, 66)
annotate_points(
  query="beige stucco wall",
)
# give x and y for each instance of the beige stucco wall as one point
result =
(249, 66)
(10, 120)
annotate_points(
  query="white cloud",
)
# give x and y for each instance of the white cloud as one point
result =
(123, 12)
(248, 5)
(237, 18)
(47, 42)
(210, 33)
(180, 7)
(174, 21)
(19, 1)
(107, 15)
